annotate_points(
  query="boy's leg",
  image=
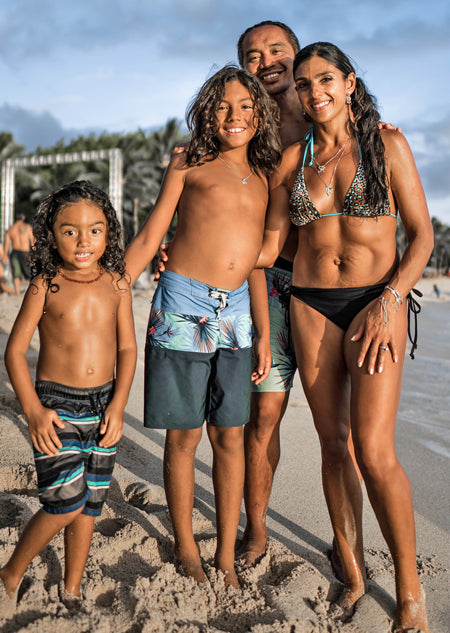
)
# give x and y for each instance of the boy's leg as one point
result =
(228, 480)
(179, 481)
(37, 534)
(77, 542)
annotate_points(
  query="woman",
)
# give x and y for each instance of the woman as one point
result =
(343, 186)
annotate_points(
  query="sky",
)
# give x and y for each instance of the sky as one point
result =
(70, 68)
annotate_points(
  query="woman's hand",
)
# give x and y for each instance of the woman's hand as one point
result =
(376, 331)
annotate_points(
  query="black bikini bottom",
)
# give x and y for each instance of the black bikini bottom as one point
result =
(340, 305)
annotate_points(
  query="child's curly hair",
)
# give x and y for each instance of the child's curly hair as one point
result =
(264, 149)
(45, 259)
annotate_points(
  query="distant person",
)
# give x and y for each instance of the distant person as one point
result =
(437, 292)
(80, 301)
(3, 283)
(198, 358)
(19, 238)
(341, 188)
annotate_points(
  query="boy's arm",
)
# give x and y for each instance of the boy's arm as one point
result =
(146, 243)
(262, 358)
(41, 421)
(6, 249)
(112, 423)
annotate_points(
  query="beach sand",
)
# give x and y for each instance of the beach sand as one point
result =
(130, 582)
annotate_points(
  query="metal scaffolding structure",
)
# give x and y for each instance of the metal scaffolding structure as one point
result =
(114, 156)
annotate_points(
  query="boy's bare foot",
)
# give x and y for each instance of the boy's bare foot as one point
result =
(8, 600)
(230, 578)
(411, 615)
(251, 551)
(191, 568)
(70, 600)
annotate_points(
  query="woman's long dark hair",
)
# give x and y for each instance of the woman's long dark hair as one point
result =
(264, 150)
(45, 259)
(366, 118)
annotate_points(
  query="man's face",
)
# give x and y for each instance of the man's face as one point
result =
(269, 55)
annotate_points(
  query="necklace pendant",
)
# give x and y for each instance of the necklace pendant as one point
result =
(328, 190)
(320, 168)
(244, 181)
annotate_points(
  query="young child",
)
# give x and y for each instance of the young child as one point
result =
(198, 351)
(81, 303)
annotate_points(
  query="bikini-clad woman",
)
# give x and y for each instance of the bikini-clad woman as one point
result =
(343, 186)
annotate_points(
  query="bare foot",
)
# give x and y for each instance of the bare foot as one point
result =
(345, 604)
(8, 600)
(191, 568)
(251, 551)
(335, 562)
(411, 615)
(230, 578)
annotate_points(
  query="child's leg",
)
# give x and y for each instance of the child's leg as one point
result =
(37, 534)
(228, 479)
(179, 481)
(77, 542)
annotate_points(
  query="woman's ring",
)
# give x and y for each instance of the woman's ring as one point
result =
(386, 349)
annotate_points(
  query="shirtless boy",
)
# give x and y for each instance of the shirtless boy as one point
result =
(19, 237)
(198, 351)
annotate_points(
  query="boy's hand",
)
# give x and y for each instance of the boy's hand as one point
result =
(262, 359)
(163, 257)
(111, 427)
(42, 431)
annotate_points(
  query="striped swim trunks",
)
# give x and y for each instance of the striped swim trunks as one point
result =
(80, 473)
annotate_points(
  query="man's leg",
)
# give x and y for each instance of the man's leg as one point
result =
(262, 454)
(179, 481)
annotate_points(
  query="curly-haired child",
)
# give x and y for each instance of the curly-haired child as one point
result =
(198, 363)
(80, 301)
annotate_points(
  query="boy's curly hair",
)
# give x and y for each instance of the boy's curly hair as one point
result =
(45, 259)
(264, 149)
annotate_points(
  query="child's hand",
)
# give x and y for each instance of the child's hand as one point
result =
(163, 257)
(111, 427)
(262, 359)
(42, 431)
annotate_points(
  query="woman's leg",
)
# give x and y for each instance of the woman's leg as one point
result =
(179, 481)
(318, 347)
(228, 480)
(374, 405)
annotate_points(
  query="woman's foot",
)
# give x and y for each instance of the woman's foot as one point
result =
(344, 605)
(251, 550)
(411, 614)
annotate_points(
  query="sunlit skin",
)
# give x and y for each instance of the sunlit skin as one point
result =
(347, 378)
(217, 241)
(86, 334)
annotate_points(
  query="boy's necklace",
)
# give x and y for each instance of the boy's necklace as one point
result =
(82, 281)
(243, 180)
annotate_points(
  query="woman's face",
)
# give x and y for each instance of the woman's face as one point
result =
(322, 89)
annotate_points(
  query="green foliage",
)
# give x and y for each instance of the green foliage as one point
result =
(145, 157)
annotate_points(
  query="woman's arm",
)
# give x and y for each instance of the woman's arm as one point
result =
(145, 245)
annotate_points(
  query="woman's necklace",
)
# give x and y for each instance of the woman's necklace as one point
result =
(320, 168)
(82, 281)
(328, 187)
(243, 180)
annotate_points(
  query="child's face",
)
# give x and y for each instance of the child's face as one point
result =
(80, 235)
(236, 116)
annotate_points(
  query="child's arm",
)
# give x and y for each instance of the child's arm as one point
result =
(262, 358)
(41, 421)
(146, 243)
(112, 423)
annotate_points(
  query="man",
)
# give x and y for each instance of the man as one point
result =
(268, 50)
(20, 238)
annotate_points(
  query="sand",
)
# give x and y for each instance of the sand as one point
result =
(130, 582)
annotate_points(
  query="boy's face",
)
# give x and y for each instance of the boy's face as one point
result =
(236, 116)
(80, 236)
(269, 55)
